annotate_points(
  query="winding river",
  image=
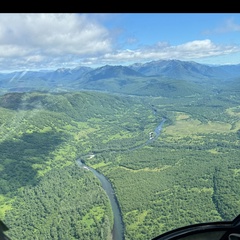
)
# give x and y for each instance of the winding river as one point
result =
(118, 226)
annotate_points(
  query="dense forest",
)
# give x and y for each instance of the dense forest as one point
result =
(189, 174)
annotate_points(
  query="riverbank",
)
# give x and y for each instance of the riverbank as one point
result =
(118, 225)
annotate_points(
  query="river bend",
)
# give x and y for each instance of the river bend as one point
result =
(118, 226)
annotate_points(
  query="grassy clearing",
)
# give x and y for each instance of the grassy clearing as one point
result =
(189, 126)
(99, 165)
(213, 151)
(119, 135)
(5, 204)
(138, 219)
(236, 172)
(96, 213)
(237, 125)
(202, 190)
(182, 116)
(234, 111)
(147, 169)
(84, 130)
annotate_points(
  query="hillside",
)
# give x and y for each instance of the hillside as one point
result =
(151, 78)
(42, 135)
(160, 185)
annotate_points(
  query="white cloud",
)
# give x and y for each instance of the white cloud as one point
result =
(44, 41)
(54, 34)
(197, 45)
(191, 50)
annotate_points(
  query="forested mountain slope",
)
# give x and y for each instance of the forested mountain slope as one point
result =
(168, 78)
(160, 184)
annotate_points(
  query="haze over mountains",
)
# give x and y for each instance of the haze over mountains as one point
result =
(139, 78)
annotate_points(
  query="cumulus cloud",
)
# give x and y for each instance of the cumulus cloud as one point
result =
(187, 51)
(52, 35)
(44, 41)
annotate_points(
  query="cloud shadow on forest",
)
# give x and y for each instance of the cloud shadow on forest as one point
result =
(18, 155)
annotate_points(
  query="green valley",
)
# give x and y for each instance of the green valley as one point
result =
(189, 174)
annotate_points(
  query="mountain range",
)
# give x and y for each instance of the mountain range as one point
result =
(162, 77)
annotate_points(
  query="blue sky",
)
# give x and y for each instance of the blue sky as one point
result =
(52, 41)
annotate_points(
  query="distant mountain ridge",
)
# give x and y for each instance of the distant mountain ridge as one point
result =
(124, 79)
(186, 70)
(109, 71)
